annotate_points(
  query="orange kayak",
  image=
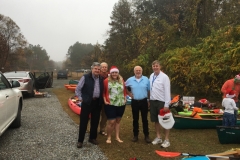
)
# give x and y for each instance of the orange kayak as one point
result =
(72, 88)
(66, 86)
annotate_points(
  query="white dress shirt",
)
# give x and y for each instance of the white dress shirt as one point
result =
(160, 88)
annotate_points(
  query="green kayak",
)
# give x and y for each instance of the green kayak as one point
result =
(205, 113)
(73, 81)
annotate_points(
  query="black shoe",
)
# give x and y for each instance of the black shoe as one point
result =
(79, 145)
(147, 140)
(93, 141)
(135, 139)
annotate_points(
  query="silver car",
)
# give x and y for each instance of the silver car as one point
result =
(26, 80)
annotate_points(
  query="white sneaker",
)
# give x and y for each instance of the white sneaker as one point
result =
(157, 141)
(165, 144)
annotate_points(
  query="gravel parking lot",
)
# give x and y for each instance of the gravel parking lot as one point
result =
(46, 133)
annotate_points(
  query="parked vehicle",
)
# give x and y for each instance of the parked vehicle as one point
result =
(26, 80)
(11, 102)
(62, 74)
(29, 81)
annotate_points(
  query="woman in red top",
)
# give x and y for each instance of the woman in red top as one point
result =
(114, 95)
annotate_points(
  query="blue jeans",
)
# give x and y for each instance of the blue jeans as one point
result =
(228, 119)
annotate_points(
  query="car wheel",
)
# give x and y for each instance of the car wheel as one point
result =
(17, 122)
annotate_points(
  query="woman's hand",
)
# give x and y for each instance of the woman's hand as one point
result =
(106, 103)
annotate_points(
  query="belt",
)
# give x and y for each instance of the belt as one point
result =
(157, 101)
(139, 100)
(95, 98)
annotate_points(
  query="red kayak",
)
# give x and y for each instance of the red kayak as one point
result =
(73, 104)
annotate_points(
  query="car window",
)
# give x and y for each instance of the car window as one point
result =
(41, 76)
(15, 74)
(4, 82)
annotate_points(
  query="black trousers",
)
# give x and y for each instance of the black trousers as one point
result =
(142, 107)
(94, 108)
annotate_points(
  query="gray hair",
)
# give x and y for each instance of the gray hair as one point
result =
(156, 62)
(95, 64)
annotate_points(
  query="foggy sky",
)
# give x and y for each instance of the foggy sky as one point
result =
(57, 24)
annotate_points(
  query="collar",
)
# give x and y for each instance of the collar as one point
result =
(95, 77)
(156, 74)
(138, 78)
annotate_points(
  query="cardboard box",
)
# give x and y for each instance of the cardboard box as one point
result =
(40, 94)
(188, 99)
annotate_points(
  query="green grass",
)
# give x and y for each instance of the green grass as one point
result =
(194, 141)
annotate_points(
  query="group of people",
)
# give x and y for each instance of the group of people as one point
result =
(103, 94)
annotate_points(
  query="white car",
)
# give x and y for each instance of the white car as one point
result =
(11, 102)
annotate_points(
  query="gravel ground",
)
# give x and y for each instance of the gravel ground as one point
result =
(47, 132)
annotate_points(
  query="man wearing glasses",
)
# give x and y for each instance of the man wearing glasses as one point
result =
(89, 91)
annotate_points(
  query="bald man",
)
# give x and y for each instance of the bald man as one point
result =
(138, 89)
(102, 125)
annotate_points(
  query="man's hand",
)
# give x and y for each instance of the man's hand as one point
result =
(166, 109)
(131, 95)
(148, 105)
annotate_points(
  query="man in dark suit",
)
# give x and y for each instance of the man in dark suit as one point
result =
(89, 91)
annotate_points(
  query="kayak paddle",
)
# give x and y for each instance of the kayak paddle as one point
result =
(174, 154)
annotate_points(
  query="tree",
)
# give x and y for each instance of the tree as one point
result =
(11, 38)
(78, 53)
(118, 46)
(3, 51)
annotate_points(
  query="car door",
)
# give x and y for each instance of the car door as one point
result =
(7, 103)
(43, 80)
(50, 80)
(2, 108)
(32, 80)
